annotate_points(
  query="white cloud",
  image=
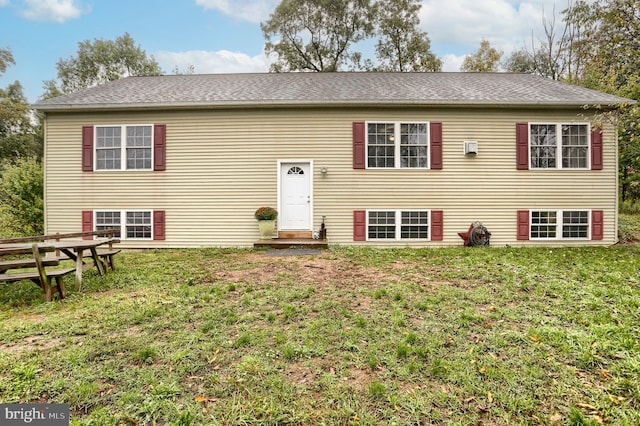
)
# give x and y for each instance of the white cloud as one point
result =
(246, 10)
(4, 3)
(507, 24)
(452, 63)
(51, 10)
(208, 62)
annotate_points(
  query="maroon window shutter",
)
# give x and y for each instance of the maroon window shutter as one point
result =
(436, 225)
(523, 224)
(596, 149)
(359, 225)
(159, 147)
(522, 146)
(87, 223)
(87, 148)
(158, 224)
(359, 145)
(435, 129)
(597, 224)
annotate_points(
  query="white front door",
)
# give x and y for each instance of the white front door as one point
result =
(295, 196)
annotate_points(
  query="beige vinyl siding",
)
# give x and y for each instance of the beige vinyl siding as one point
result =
(223, 164)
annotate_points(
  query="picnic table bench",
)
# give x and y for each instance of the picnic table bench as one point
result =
(30, 258)
(105, 253)
(67, 247)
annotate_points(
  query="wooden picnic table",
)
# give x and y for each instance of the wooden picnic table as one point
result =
(74, 250)
(25, 263)
(30, 258)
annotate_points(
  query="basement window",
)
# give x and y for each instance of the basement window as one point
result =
(559, 224)
(398, 224)
(131, 224)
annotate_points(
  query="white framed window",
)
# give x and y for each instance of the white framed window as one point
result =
(124, 147)
(398, 224)
(560, 224)
(398, 145)
(559, 146)
(131, 224)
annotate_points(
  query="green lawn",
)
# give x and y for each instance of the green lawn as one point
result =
(629, 227)
(458, 336)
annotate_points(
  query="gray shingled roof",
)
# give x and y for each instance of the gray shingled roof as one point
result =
(344, 88)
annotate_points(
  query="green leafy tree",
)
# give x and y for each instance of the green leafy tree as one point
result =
(539, 62)
(607, 49)
(21, 179)
(401, 45)
(51, 89)
(485, 59)
(189, 70)
(322, 35)
(317, 35)
(609, 42)
(21, 191)
(520, 61)
(6, 59)
(629, 153)
(101, 61)
(19, 126)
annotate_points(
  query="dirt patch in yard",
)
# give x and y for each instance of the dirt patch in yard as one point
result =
(314, 270)
(30, 343)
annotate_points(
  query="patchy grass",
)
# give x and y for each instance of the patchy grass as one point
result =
(491, 336)
(629, 228)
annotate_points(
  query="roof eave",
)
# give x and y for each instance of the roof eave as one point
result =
(332, 104)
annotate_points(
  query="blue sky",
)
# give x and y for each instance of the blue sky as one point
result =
(224, 36)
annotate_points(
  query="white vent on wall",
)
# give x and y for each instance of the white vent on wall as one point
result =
(470, 147)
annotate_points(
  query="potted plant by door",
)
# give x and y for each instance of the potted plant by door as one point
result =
(266, 217)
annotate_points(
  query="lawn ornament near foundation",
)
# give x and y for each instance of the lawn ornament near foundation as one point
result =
(476, 235)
